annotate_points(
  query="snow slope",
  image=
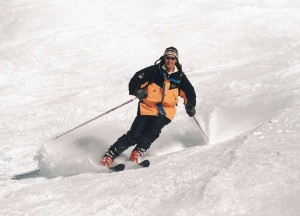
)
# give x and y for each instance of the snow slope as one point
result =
(63, 63)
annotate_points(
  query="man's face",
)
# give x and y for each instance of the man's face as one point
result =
(170, 61)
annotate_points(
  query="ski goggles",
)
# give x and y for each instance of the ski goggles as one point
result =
(170, 58)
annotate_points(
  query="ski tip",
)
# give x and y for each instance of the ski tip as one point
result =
(145, 163)
(118, 168)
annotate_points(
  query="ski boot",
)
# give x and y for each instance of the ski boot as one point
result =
(136, 155)
(108, 158)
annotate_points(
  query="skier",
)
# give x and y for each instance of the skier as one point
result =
(157, 87)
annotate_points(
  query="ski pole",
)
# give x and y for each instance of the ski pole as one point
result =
(207, 140)
(93, 119)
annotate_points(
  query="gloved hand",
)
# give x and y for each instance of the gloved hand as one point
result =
(141, 94)
(190, 109)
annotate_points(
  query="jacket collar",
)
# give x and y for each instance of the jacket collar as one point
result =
(175, 69)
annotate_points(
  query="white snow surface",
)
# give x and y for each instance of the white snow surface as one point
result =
(65, 62)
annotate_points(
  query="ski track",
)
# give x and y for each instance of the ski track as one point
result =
(177, 188)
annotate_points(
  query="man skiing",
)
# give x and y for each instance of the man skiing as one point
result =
(157, 87)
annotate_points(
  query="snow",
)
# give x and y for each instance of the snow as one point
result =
(63, 63)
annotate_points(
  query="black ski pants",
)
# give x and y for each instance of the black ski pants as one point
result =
(143, 132)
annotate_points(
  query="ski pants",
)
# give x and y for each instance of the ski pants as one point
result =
(143, 132)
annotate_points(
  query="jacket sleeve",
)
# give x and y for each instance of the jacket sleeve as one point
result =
(141, 79)
(187, 91)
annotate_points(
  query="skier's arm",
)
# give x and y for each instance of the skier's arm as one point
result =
(187, 91)
(141, 79)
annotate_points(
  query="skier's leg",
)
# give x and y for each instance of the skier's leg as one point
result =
(153, 131)
(125, 141)
(150, 134)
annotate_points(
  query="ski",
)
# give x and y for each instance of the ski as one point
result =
(121, 166)
(144, 163)
(117, 168)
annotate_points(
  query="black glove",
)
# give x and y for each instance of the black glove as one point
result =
(190, 109)
(141, 94)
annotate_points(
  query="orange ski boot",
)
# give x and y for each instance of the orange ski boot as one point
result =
(106, 160)
(136, 155)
